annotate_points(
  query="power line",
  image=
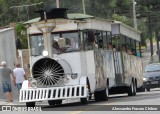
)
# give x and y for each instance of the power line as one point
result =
(21, 6)
(25, 7)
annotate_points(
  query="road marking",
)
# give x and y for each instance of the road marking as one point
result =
(76, 112)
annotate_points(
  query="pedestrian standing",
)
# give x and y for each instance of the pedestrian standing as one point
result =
(6, 73)
(19, 75)
(109, 46)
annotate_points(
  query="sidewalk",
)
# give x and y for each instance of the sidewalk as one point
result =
(15, 102)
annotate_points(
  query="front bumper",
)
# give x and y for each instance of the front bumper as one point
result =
(152, 84)
(52, 93)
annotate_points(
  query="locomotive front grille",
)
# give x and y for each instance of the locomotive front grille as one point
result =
(40, 94)
(47, 72)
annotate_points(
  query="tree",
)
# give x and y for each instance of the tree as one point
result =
(122, 19)
(21, 32)
(9, 13)
(150, 9)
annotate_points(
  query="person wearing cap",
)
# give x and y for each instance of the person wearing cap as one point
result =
(19, 75)
(5, 73)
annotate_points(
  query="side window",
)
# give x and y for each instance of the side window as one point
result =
(89, 40)
(37, 45)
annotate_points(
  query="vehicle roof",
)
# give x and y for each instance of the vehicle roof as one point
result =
(75, 16)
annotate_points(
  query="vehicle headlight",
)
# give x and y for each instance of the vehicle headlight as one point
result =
(45, 53)
(34, 84)
(74, 76)
(145, 79)
(30, 79)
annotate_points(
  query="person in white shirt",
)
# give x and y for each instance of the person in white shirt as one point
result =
(19, 75)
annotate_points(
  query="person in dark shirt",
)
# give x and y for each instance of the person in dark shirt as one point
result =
(109, 46)
(133, 52)
(5, 74)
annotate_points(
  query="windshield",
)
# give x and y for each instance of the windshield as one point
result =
(37, 44)
(65, 42)
(61, 43)
(152, 68)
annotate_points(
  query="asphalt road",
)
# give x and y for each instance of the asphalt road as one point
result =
(144, 98)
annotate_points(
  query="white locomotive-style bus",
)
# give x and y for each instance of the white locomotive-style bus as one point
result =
(80, 56)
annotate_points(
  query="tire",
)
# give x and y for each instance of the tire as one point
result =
(141, 89)
(89, 95)
(105, 94)
(58, 102)
(97, 95)
(30, 104)
(86, 99)
(148, 89)
(135, 88)
(54, 102)
(131, 89)
(102, 95)
(51, 102)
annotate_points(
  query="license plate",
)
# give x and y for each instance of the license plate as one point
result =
(155, 82)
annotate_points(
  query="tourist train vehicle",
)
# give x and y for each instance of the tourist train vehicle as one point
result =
(69, 58)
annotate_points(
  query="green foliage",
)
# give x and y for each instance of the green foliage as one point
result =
(120, 10)
(125, 4)
(122, 19)
(104, 8)
(21, 32)
(149, 10)
(10, 13)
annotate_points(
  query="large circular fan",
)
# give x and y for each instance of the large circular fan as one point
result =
(47, 72)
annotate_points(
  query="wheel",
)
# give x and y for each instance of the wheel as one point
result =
(86, 99)
(148, 89)
(141, 89)
(54, 102)
(102, 95)
(51, 102)
(97, 95)
(58, 102)
(90, 96)
(30, 104)
(105, 94)
(131, 89)
(134, 88)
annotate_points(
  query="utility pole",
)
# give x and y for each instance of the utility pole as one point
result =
(57, 3)
(157, 41)
(150, 35)
(83, 4)
(134, 14)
